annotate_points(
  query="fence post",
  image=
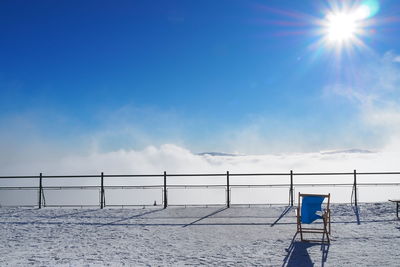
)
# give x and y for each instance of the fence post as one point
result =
(165, 190)
(355, 187)
(40, 190)
(102, 197)
(228, 197)
(291, 188)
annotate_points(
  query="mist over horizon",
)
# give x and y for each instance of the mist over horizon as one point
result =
(177, 159)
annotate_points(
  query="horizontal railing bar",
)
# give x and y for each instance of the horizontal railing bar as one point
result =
(308, 184)
(284, 185)
(109, 187)
(344, 173)
(133, 205)
(172, 205)
(130, 175)
(377, 173)
(47, 187)
(50, 176)
(19, 177)
(17, 206)
(259, 185)
(132, 186)
(79, 176)
(322, 173)
(134, 175)
(70, 187)
(195, 185)
(158, 186)
(70, 176)
(378, 184)
(358, 184)
(197, 205)
(231, 185)
(70, 206)
(19, 188)
(198, 175)
(92, 187)
(259, 174)
(258, 204)
(230, 174)
(187, 186)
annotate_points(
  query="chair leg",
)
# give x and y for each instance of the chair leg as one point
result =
(299, 229)
(301, 236)
(329, 221)
(326, 229)
(327, 236)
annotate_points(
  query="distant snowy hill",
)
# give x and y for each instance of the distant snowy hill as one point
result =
(217, 154)
(347, 151)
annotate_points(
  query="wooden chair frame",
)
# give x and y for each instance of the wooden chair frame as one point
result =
(326, 217)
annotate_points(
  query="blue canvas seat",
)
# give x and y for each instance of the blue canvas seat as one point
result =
(307, 212)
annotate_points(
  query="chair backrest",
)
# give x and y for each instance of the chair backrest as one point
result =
(309, 204)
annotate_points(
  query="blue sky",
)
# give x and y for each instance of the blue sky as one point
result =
(234, 76)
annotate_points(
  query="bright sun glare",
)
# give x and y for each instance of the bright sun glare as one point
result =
(344, 26)
(341, 27)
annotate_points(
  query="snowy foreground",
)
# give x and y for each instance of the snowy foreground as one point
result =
(238, 236)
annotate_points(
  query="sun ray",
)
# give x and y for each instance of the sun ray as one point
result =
(344, 29)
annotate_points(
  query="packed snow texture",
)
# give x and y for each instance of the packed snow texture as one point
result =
(213, 236)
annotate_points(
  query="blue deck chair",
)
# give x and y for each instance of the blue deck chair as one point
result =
(308, 206)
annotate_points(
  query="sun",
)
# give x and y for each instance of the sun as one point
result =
(345, 26)
(342, 27)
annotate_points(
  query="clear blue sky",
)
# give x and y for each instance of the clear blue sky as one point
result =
(202, 74)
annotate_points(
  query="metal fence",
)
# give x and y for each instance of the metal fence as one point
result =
(166, 183)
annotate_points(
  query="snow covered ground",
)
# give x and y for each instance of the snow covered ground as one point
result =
(238, 236)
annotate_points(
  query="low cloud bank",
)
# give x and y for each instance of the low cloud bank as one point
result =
(176, 159)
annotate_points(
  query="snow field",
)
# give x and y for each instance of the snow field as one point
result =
(214, 236)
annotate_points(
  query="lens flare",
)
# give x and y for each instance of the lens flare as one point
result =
(368, 8)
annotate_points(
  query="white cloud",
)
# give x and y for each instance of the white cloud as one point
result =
(392, 56)
(375, 91)
(176, 159)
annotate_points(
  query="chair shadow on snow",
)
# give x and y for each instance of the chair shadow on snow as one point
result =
(297, 254)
